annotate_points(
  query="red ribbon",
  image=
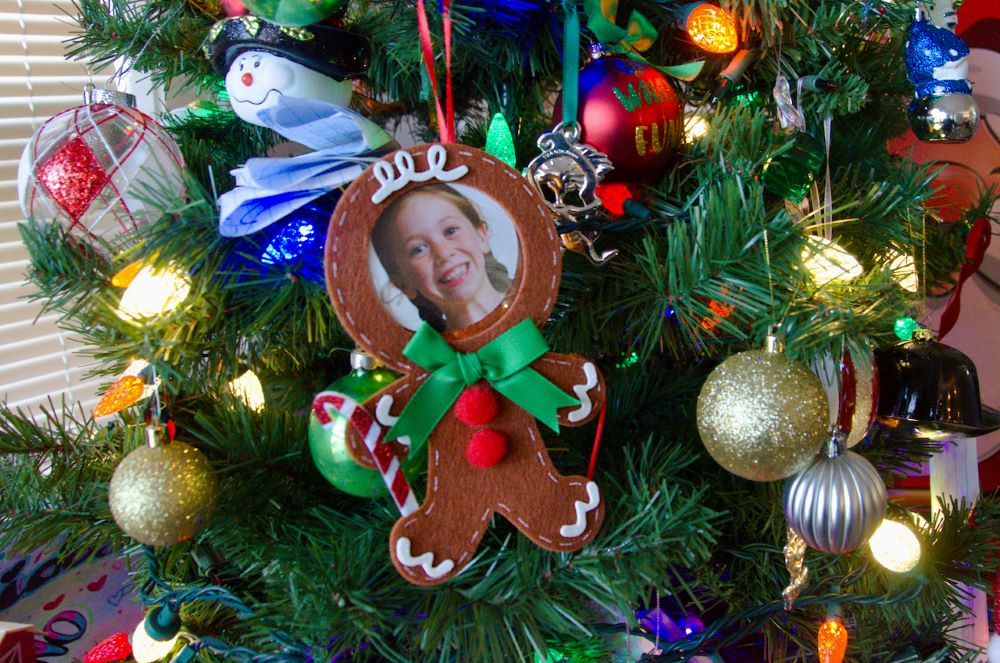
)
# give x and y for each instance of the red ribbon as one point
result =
(975, 250)
(597, 440)
(446, 115)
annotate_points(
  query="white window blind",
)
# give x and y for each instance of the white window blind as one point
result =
(37, 359)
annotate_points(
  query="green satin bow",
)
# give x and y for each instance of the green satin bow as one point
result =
(503, 362)
(638, 36)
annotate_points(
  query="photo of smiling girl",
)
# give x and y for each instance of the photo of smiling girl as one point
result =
(434, 245)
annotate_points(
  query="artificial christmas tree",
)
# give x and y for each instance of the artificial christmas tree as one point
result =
(444, 265)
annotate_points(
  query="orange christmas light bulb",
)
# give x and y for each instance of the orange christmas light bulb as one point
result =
(712, 28)
(832, 641)
(126, 391)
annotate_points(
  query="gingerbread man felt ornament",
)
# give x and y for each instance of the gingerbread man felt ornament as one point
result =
(442, 262)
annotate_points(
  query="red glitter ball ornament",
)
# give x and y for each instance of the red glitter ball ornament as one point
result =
(486, 448)
(476, 406)
(101, 170)
(629, 111)
(115, 648)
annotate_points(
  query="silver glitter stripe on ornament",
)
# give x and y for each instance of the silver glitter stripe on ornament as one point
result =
(837, 502)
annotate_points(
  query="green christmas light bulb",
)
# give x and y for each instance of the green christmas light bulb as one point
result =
(328, 443)
(905, 327)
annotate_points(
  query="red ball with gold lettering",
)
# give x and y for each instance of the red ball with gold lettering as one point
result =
(629, 111)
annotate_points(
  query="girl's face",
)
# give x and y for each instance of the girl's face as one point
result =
(438, 251)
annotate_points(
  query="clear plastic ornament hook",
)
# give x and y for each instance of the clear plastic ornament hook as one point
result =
(788, 115)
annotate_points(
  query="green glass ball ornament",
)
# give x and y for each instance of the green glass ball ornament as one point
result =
(761, 415)
(790, 173)
(294, 13)
(162, 492)
(328, 444)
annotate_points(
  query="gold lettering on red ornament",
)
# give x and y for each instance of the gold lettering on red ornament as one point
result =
(655, 144)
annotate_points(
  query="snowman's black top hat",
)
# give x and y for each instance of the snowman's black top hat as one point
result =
(321, 47)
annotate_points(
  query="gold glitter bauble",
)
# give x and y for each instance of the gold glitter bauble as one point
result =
(762, 416)
(164, 494)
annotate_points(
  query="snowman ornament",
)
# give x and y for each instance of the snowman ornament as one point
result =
(296, 81)
(256, 79)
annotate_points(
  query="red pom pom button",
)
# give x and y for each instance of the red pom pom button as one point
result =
(476, 406)
(486, 448)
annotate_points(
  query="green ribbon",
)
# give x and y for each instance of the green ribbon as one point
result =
(503, 362)
(638, 35)
(571, 63)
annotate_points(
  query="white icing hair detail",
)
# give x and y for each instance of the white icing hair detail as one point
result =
(586, 406)
(436, 158)
(424, 561)
(582, 509)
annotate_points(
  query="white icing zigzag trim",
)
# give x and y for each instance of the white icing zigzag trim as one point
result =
(582, 412)
(582, 509)
(424, 561)
(384, 417)
(436, 158)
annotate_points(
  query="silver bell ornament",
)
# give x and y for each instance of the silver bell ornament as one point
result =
(837, 503)
(761, 415)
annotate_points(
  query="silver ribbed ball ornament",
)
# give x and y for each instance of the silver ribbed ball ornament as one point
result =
(945, 118)
(761, 415)
(837, 503)
(162, 492)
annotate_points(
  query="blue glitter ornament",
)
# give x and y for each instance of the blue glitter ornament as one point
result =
(508, 17)
(291, 246)
(936, 60)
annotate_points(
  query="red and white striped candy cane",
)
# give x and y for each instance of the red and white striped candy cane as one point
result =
(387, 464)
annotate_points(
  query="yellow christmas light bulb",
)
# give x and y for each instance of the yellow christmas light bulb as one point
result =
(248, 389)
(831, 641)
(904, 271)
(827, 262)
(895, 546)
(153, 292)
(695, 127)
(146, 648)
(711, 28)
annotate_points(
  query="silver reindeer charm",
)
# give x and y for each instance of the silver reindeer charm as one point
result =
(566, 175)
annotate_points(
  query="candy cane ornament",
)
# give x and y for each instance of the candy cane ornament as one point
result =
(387, 464)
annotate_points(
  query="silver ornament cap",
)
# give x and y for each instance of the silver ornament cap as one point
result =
(837, 503)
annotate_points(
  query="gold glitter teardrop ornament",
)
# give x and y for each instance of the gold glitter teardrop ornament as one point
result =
(761, 415)
(163, 492)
